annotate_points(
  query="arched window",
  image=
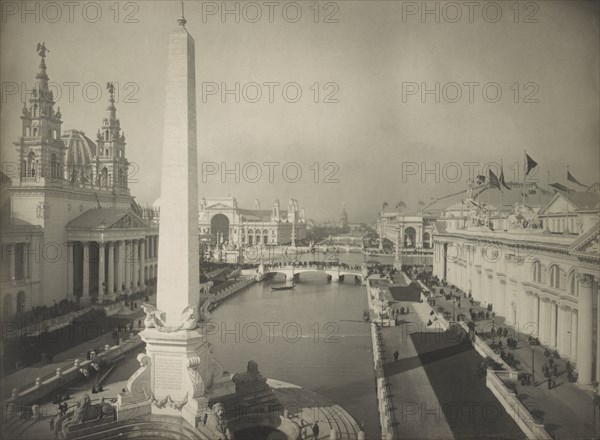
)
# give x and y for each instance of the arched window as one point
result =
(104, 177)
(20, 302)
(31, 164)
(555, 277)
(537, 272)
(53, 166)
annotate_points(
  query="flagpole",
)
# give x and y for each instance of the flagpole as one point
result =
(501, 194)
(567, 199)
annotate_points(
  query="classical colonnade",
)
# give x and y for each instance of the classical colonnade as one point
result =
(535, 295)
(123, 266)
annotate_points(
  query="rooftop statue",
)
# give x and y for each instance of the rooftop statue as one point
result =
(41, 50)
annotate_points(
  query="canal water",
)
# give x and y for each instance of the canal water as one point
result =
(313, 336)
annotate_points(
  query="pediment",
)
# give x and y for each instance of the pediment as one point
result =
(588, 244)
(219, 206)
(558, 205)
(129, 221)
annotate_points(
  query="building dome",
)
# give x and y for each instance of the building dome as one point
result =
(81, 150)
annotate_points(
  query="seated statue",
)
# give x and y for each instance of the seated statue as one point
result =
(189, 321)
(153, 316)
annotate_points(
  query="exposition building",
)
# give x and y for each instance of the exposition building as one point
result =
(230, 224)
(535, 260)
(70, 227)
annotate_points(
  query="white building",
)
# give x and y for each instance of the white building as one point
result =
(538, 265)
(70, 227)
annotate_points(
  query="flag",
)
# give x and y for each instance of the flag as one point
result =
(431, 313)
(559, 187)
(400, 205)
(494, 180)
(530, 164)
(570, 178)
(385, 205)
(480, 180)
(502, 179)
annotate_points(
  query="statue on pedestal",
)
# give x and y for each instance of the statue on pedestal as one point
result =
(139, 383)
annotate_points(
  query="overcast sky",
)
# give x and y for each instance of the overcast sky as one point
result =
(374, 61)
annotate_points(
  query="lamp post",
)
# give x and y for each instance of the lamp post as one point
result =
(595, 403)
(532, 365)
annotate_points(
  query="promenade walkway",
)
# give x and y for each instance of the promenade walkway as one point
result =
(64, 359)
(566, 410)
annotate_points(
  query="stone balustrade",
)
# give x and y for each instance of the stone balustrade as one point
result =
(383, 397)
(62, 376)
(513, 405)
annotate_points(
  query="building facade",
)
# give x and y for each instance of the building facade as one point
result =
(70, 227)
(232, 225)
(537, 265)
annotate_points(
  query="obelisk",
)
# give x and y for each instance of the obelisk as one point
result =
(178, 268)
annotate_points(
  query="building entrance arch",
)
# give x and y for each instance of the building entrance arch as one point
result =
(219, 226)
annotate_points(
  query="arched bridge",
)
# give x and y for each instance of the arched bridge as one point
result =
(335, 272)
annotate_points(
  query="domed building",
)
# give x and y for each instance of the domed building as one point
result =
(69, 219)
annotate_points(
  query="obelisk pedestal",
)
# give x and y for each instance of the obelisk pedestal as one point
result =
(178, 375)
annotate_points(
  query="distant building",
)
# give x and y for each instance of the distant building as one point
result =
(230, 224)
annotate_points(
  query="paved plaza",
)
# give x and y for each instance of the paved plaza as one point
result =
(566, 409)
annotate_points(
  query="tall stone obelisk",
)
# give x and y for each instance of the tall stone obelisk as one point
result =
(178, 375)
(178, 269)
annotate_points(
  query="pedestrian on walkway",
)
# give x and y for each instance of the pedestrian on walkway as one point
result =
(315, 430)
(396, 354)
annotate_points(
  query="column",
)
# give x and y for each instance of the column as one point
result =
(560, 329)
(553, 312)
(545, 321)
(13, 254)
(120, 266)
(156, 244)
(574, 328)
(111, 269)
(85, 295)
(135, 253)
(70, 269)
(127, 262)
(584, 330)
(536, 314)
(101, 272)
(598, 335)
(142, 263)
(567, 333)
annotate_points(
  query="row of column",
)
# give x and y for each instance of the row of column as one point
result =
(121, 266)
(567, 328)
(570, 329)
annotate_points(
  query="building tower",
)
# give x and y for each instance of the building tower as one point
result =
(111, 161)
(41, 150)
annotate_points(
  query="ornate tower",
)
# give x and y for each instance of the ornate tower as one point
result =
(41, 150)
(111, 161)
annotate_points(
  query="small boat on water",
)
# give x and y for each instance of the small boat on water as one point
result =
(286, 287)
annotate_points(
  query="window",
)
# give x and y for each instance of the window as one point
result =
(537, 272)
(555, 277)
(573, 284)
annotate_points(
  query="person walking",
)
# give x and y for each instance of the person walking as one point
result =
(396, 354)
(315, 430)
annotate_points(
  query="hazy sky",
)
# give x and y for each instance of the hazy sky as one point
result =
(374, 61)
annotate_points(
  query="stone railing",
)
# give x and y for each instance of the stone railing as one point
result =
(513, 406)
(49, 325)
(62, 376)
(386, 418)
(230, 290)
